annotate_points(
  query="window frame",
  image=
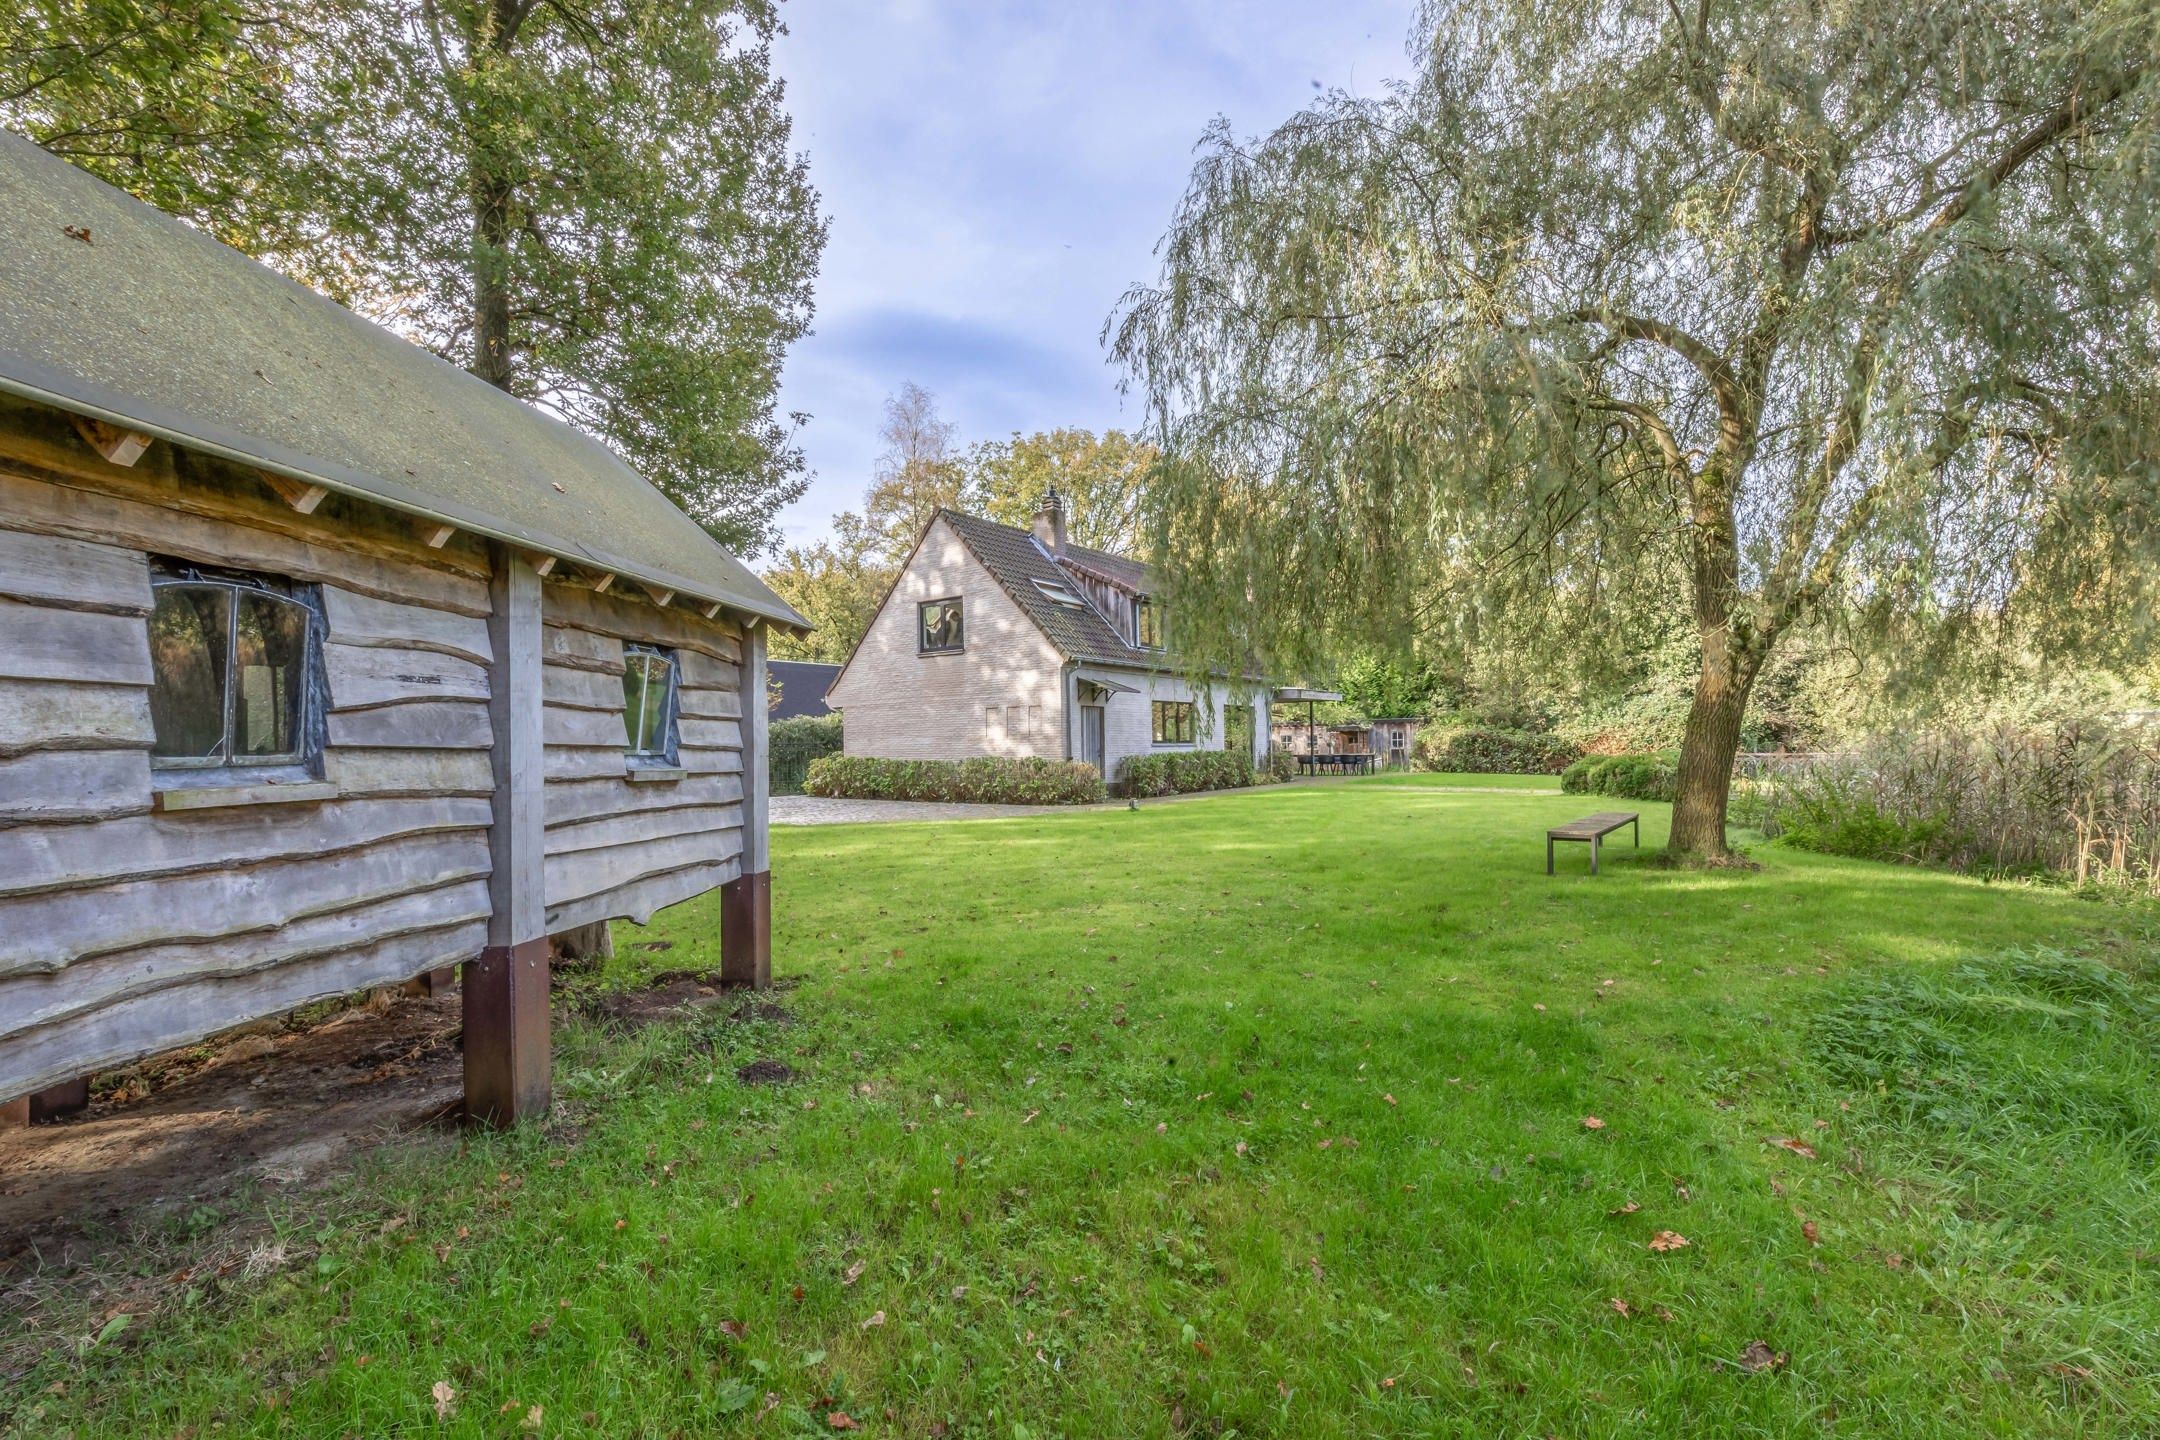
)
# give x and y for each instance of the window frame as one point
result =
(922, 630)
(1147, 620)
(667, 756)
(1175, 709)
(309, 724)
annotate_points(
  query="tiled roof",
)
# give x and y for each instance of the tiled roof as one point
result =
(1014, 558)
(803, 684)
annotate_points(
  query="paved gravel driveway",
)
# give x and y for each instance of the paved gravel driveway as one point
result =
(815, 810)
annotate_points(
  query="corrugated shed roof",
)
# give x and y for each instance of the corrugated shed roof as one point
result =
(112, 309)
(1014, 558)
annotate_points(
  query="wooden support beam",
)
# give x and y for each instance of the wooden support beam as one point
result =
(116, 445)
(661, 595)
(432, 982)
(299, 494)
(543, 565)
(605, 583)
(746, 901)
(54, 1102)
(436, 534)
(507, 1045)
(712, 611)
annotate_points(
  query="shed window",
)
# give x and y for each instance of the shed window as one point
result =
(1173, 722)
(230, 659)
(648, 686)
(940, 630)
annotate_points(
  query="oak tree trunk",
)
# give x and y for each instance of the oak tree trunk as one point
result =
(494, 202)
(1707, 748)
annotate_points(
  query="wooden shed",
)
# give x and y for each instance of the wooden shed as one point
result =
(325, 666)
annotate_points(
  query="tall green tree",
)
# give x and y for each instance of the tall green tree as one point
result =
(188, 105)
(1102, 477)
(837, 585)
(593, 204)
(1836, 313)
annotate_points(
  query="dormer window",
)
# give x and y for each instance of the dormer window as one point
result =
(1147, 624)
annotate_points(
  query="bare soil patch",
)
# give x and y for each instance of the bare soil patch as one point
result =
(108, 1211)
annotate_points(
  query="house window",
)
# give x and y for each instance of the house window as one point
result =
(1147, 624)
(939, 630)
(648, 687)
(231, 660)
(1063, 595)
(1173, 722)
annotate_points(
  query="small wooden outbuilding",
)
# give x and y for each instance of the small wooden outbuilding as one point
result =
(325, 666)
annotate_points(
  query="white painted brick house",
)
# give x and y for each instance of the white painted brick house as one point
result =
(1000, 641)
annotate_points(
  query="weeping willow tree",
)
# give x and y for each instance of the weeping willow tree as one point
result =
(1751, 314)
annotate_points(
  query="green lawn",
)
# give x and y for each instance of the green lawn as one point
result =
(1465, 780)
(1267, 1115)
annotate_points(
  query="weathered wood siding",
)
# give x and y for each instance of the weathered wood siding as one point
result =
(123, 931)
(618, 848)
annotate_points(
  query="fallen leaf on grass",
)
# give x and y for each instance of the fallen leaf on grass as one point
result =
(1809, 1233)
(734, 1329)
(876, 1319)
(1798, 1147)
(445, 1399)
(534, 1418)
(1628, 1209)
(1666, 1240)
(1759, 1357)
(841, 1420)
(1621, 1307)
(1591, 1122)
(853, 1273)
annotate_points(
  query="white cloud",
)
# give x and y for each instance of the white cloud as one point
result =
(997, 174)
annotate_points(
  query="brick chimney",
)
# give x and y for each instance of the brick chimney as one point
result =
(1050, 521)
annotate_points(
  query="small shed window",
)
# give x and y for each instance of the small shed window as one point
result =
(231, 657)
(649, 703)
(1173, 722)
(1147, 624)
(940, 630)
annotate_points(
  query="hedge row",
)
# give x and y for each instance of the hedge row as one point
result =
(792, 744)
(1181, 772)
(990, 780)
(1632, 777)
(1489, 750)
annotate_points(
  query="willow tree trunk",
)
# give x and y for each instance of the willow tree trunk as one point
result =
(1707, 748)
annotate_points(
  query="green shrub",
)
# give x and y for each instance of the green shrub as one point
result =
(1281, 765)
(1653, 776)
(988, 780)
(1489, 750)
(793, 743)
(1181, 772)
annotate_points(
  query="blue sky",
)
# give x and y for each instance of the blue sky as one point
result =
(997, 174)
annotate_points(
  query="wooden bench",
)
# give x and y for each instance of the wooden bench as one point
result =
(1592, 829)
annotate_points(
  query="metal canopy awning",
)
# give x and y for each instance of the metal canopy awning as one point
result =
(1299, 693)
(1105, 687)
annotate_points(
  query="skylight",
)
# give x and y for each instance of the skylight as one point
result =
(1058, 594)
